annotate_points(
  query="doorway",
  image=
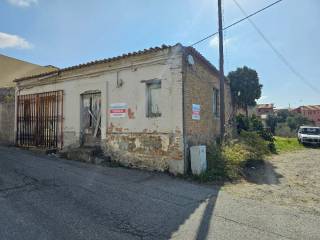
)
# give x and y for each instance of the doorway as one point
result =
(91, 118)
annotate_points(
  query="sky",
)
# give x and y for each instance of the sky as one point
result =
(65, 33)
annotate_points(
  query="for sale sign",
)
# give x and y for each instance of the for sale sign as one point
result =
(196, 111)
(118, 110)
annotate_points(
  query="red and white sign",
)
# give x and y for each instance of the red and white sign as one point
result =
(118, 110)
(196, 111)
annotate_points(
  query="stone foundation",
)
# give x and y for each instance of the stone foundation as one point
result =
(153, 151)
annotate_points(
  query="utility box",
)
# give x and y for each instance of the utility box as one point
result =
(198, 159)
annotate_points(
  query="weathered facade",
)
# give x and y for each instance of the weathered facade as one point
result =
(10, 69)
(144, 109)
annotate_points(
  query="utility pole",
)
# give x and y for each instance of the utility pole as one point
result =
(221, 73)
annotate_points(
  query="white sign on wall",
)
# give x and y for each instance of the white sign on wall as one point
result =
(118, 110)
(195, 111)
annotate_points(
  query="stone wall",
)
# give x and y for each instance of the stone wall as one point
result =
(7, 116)
(153, 151)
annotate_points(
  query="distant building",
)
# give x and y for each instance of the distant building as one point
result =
(242, 111)
(277, 110)
(11, 68)
(265, 109)
(312, 112)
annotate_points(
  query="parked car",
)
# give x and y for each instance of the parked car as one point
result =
(309, 135)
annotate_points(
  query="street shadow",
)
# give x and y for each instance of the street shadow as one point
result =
(261, 172)
(197, 221)
(207, 217)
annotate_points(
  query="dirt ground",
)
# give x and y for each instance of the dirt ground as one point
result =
(289, 179)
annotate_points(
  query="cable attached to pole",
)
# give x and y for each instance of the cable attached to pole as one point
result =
(239, 21)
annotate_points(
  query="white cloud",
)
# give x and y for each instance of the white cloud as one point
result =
(214, 42)
(13, 41)
(22, 3)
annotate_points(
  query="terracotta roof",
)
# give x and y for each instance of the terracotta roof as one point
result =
(267, 105)
(106, 60)
(112, 59)
(311, 107)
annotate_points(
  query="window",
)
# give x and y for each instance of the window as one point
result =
(153, 98)
(215, 102)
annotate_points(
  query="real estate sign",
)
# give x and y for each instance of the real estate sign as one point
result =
(196, 111)
(118, 110)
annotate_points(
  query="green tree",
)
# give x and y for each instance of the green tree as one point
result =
(245, 87)
(282, 115)
(295, 120)
(271, 122)
(292, 123)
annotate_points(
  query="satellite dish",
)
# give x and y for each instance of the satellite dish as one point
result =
(190, 59)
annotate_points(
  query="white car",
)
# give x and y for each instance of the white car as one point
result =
(309, 135)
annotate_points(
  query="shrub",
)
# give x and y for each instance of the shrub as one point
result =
(236, 155)
(254, 124)
(256, 145)
(216, 162)
(227, 161)
(268, 136)
(242, 123)
(283, 130)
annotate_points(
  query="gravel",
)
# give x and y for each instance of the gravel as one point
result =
(290, 179)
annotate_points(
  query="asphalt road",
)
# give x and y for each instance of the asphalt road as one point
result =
(43, 197)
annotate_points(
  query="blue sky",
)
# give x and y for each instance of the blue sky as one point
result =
(65, 33)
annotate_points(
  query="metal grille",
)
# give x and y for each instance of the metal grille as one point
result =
(40, 120)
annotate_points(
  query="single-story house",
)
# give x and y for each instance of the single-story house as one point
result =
(10, 69)
(144, 109)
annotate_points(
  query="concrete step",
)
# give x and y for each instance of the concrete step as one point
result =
(85, 154)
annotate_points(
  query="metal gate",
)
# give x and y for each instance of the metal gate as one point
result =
(40, 120)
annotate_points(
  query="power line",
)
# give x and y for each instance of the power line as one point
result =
(279, 55)
(239, 21)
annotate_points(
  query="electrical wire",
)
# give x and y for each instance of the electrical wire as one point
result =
(279, 54)
(239, 21)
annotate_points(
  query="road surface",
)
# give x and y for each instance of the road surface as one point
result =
(44, 197)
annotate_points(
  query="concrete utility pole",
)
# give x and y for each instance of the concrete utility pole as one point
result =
(221, 73)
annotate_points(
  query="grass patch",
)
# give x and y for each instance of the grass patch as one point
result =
(284, 144)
